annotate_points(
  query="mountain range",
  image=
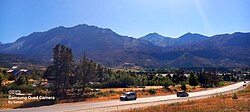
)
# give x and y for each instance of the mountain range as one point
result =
(151, 51)
(163, 41)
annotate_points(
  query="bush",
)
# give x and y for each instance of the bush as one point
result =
(22, 88)
(87, 90)
(102, 94)
(143, 90)
(221, 83)
(183, 87)
(244, 91)
(151, 91)
(112, 91)
(234, 96)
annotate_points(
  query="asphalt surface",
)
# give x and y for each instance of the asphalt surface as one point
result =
(116, 103)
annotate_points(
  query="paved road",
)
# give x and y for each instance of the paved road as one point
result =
(114, 103)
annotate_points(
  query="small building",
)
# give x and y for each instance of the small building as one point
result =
(15, 73)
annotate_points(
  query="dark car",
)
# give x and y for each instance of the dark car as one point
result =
(182, 94)
(128, 96)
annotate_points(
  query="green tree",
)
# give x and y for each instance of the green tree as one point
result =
(36, 74)
(4, 72)
(1, 79)
(61, 69)
(183, 87)
(193, 79)
(127, 81)
(208, 79)
(85, 72)
(100, 73)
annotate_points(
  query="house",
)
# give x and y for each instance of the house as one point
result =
(15, 73)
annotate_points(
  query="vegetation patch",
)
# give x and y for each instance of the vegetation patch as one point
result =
(151, 91)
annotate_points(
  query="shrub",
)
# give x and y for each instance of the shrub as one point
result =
(234, 96)
(22, 88)
(151, 91)
(87, 90)
(244, 91)
(143, 90)
(174, 104)
(221, 83)
(112, 91)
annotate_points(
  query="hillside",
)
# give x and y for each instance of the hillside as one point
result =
(102, 45)
(152, 51)
(159, 40)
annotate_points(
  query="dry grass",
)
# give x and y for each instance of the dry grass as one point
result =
(141, 92)
(132, 88)
(222, 103)
(4, 104)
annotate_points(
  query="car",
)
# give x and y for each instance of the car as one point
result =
(182, 94)
(128, 96)
(244, 84)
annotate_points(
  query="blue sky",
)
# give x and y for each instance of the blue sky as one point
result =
(133, 18)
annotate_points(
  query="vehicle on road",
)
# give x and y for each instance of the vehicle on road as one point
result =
(182, 94)
(244, 84)
(128, 96)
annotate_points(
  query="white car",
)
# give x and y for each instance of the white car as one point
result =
(128, 96)
(244, 84)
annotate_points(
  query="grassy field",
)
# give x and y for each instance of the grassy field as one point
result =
(221, 103)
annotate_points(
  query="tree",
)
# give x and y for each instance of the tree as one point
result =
(181, 77)
(21, 80)
(61, 69)
(201, 77)
(193, 79)
(4, 72)
(183, 87)
(167, 83)
(1, 79)
(85, 71)
(175, 79)
(127, 81)
(208, 79)
(100, 73)
(36, 74)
